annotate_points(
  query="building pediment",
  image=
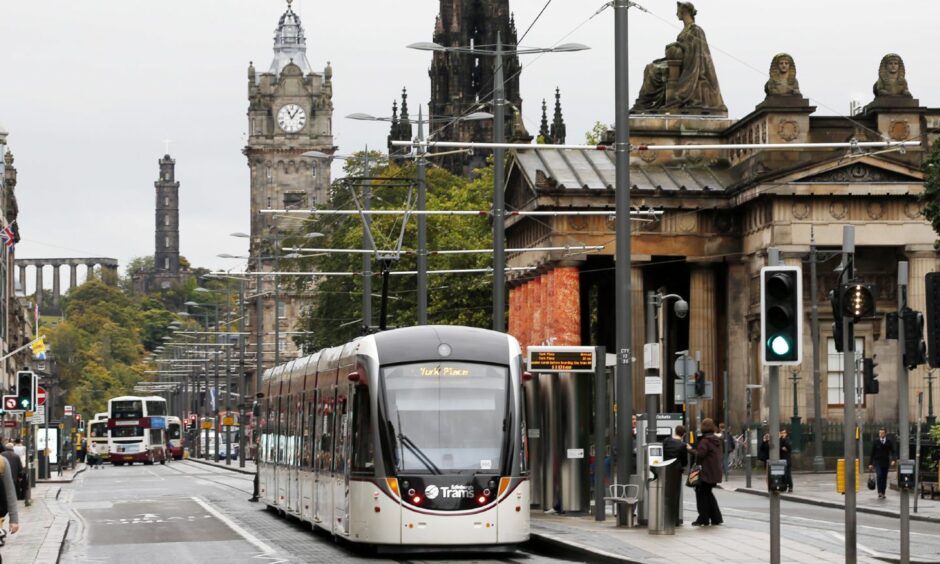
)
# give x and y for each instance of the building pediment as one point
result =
(863, 170)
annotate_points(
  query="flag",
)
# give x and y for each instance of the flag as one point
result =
(39, 348)
(7, 236)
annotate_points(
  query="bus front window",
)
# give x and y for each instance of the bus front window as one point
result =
(447, 416)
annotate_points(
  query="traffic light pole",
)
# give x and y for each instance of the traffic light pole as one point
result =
(848, 387)
(773, 400)
(903, 411)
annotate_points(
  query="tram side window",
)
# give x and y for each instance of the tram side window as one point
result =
(363, 459)
(339, 455)
(325, 455)
(311, 416)
(297, 430)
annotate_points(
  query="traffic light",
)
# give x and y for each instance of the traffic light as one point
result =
(836, 320)
(699, 379)
(933, 319)
(858, 300)
(915, 351)
(26, 391)
(871, 379)
(781, 319)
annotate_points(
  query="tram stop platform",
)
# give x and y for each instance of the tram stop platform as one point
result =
(43, 525)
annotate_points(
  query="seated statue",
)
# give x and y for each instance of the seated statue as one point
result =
(782, 77)
(696, 87)
(891, 81)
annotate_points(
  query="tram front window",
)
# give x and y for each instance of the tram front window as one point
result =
(447, 416)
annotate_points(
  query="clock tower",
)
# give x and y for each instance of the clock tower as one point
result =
(290, 111)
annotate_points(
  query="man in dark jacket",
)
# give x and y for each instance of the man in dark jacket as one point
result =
(882, 457)
(674, 447)
(16, 471)
(786, 449)
(708, 455)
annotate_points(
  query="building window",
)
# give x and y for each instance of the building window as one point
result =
(166, 242)
(166, 264)
(281, 310)
(295, 200)
(166, 220)
(166, 201)
(282, 344)
(835, 368)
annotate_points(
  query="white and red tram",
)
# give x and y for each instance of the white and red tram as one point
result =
(411, 438)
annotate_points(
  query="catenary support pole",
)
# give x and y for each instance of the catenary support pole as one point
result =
(422, 255)
(499, 195)
(773, 401)
(849, 391)
(904, 419)
(367, 250)
(622, 300)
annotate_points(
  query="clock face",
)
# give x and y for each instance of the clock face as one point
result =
(291, 118)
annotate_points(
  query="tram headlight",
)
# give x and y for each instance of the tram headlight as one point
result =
(416, 500)
(481, 499)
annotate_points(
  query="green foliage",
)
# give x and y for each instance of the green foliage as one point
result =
(335, 312)
(931, 195)
(596, 135)
(935, 434)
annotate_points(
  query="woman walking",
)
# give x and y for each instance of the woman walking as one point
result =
(708, 455)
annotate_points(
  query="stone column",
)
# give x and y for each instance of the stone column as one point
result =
(922, 260)
(566, 305)
(23, 278)
(736, 296)
(702, 330)
(73, 276)
(90, 272)
(56, 289)
(39, 283)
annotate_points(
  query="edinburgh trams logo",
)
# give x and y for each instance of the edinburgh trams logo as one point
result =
(431, 492)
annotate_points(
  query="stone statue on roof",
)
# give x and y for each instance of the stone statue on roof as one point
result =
(782, 80)
(891, 81)
(684, 81)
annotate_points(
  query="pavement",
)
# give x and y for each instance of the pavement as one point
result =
(44, 525)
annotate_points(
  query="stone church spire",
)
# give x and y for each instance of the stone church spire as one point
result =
(544, 132)
(401, 129)
(463, 83)
(290, 44)
(558, 123)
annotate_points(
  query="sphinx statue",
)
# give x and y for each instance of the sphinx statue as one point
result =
(782, 80)
(891, 81)
(684, 80)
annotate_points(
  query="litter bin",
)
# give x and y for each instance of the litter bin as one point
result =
(673, 493)
(659, 523)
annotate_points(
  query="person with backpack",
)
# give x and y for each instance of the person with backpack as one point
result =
(8, 506)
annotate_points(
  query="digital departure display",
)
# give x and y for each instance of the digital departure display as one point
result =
(561, 359)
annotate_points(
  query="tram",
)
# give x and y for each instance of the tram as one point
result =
(409, 439)
(137, 428)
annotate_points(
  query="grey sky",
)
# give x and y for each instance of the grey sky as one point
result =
(91, 88)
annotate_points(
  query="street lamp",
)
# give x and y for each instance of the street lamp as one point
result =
(421, 173)
(499, 126)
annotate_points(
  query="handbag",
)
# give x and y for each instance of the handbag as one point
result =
(693, 478)
(871, 481)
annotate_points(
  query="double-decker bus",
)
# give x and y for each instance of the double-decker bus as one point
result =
(137, 426)
(408, 439)
(176, 442)
(98, 439)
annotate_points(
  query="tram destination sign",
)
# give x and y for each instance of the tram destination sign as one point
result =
(562, 359)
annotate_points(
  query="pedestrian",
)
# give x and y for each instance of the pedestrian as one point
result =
(882, 458)
(763, 451)
(16, 470)
(8, 507)
(674, 447)
(20, 450)
(786, 449)
(708, 455)
(727, 447)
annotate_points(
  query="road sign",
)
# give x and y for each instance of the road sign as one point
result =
(40, 395)
(685, 366)
(68, 409)
(38, 417)
(9, 423)
(9, 403)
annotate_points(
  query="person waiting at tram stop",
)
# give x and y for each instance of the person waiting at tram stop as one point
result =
(674, 447)
(708, 455)
(786, 450)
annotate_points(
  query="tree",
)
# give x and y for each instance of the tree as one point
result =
(335, 312)
(597, 134)
(931, 194)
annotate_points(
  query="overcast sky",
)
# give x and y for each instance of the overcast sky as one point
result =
(90, 89)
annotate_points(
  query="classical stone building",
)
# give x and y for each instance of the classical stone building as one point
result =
(722, 210)
(290, 111)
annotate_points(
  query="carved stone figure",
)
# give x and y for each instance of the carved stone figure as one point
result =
(685, 79)
(782, 77)
(891, 81)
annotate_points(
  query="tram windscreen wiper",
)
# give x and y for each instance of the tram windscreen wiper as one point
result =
(419, 454)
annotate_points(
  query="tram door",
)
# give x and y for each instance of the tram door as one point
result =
(326, 417)
(297, 432)
(308, 477)
(340, 471)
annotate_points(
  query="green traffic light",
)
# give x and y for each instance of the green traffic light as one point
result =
(779, 345)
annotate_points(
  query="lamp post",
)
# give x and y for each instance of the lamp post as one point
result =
(748, 463)
(421, 173)
(499, 127)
